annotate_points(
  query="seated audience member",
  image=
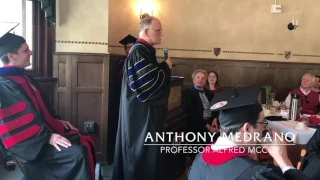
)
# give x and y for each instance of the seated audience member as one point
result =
(309, 99)
(242, 124)
(316, 85)
(29, 129)
(195, 103)
(127, 42)
(213, 82)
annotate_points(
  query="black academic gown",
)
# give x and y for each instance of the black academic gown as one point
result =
(26, 123)
(310, 162)
(144, 94)
(214, 165)
(192, 105)
(120, 69)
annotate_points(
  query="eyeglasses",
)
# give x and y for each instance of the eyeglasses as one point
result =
(157, 30)
(265, 123)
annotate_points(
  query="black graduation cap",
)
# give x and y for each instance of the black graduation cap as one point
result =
(9, 41)
(237, 106)
(128, 39)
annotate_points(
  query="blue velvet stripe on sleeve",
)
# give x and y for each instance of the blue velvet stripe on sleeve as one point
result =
(143, 80)
(156, 85)
(138, 66)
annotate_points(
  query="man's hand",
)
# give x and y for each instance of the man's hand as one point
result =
(168, 61)
(68, 125)
(278, 150)
(214, 126)
(57, 139)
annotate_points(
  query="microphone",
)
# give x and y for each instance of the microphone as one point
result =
(165, 52)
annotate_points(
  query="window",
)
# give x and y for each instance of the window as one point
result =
(20, 11)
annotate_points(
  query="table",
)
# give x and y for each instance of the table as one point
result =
(301, 136)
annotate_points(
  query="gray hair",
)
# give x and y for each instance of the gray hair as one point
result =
(199, 71)
(313, 77)
(146, 22)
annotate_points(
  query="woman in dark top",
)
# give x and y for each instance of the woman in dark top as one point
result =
(213, 82)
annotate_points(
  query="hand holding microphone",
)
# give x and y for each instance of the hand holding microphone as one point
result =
(167, 59)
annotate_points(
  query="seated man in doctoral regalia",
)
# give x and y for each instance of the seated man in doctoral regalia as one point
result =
(29, 129)
(241, 117)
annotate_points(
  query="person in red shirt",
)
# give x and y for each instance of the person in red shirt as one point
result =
(310, 100)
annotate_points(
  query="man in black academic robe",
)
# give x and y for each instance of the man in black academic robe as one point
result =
(195, 103)
(192, 105)
(115, 92)
(29, 129)
(127, 42)
(241, 117)
(144, 94)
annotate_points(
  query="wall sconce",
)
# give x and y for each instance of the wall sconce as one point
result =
(145, 8)
(144, 15)
(294, 24)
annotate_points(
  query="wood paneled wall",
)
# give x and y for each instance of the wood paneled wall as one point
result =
(82, 93)
(114, 103)
(232, 73)
(47, 86)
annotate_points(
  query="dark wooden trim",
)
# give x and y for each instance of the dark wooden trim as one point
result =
(281, 75)
(82, 54)
(235, 60)
(82, 42)
(50, 36)
(238, 60)
(53, 41)
(73, 74)
(42, 43)
(46, 79)
(231, 60)
(35, 62)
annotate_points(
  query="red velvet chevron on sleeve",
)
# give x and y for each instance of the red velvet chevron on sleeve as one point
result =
(9, 125)
(11, 110)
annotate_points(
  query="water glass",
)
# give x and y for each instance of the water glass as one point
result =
(273, 109)
(305, 120)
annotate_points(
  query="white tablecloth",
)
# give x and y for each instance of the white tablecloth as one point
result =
(301, 136)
